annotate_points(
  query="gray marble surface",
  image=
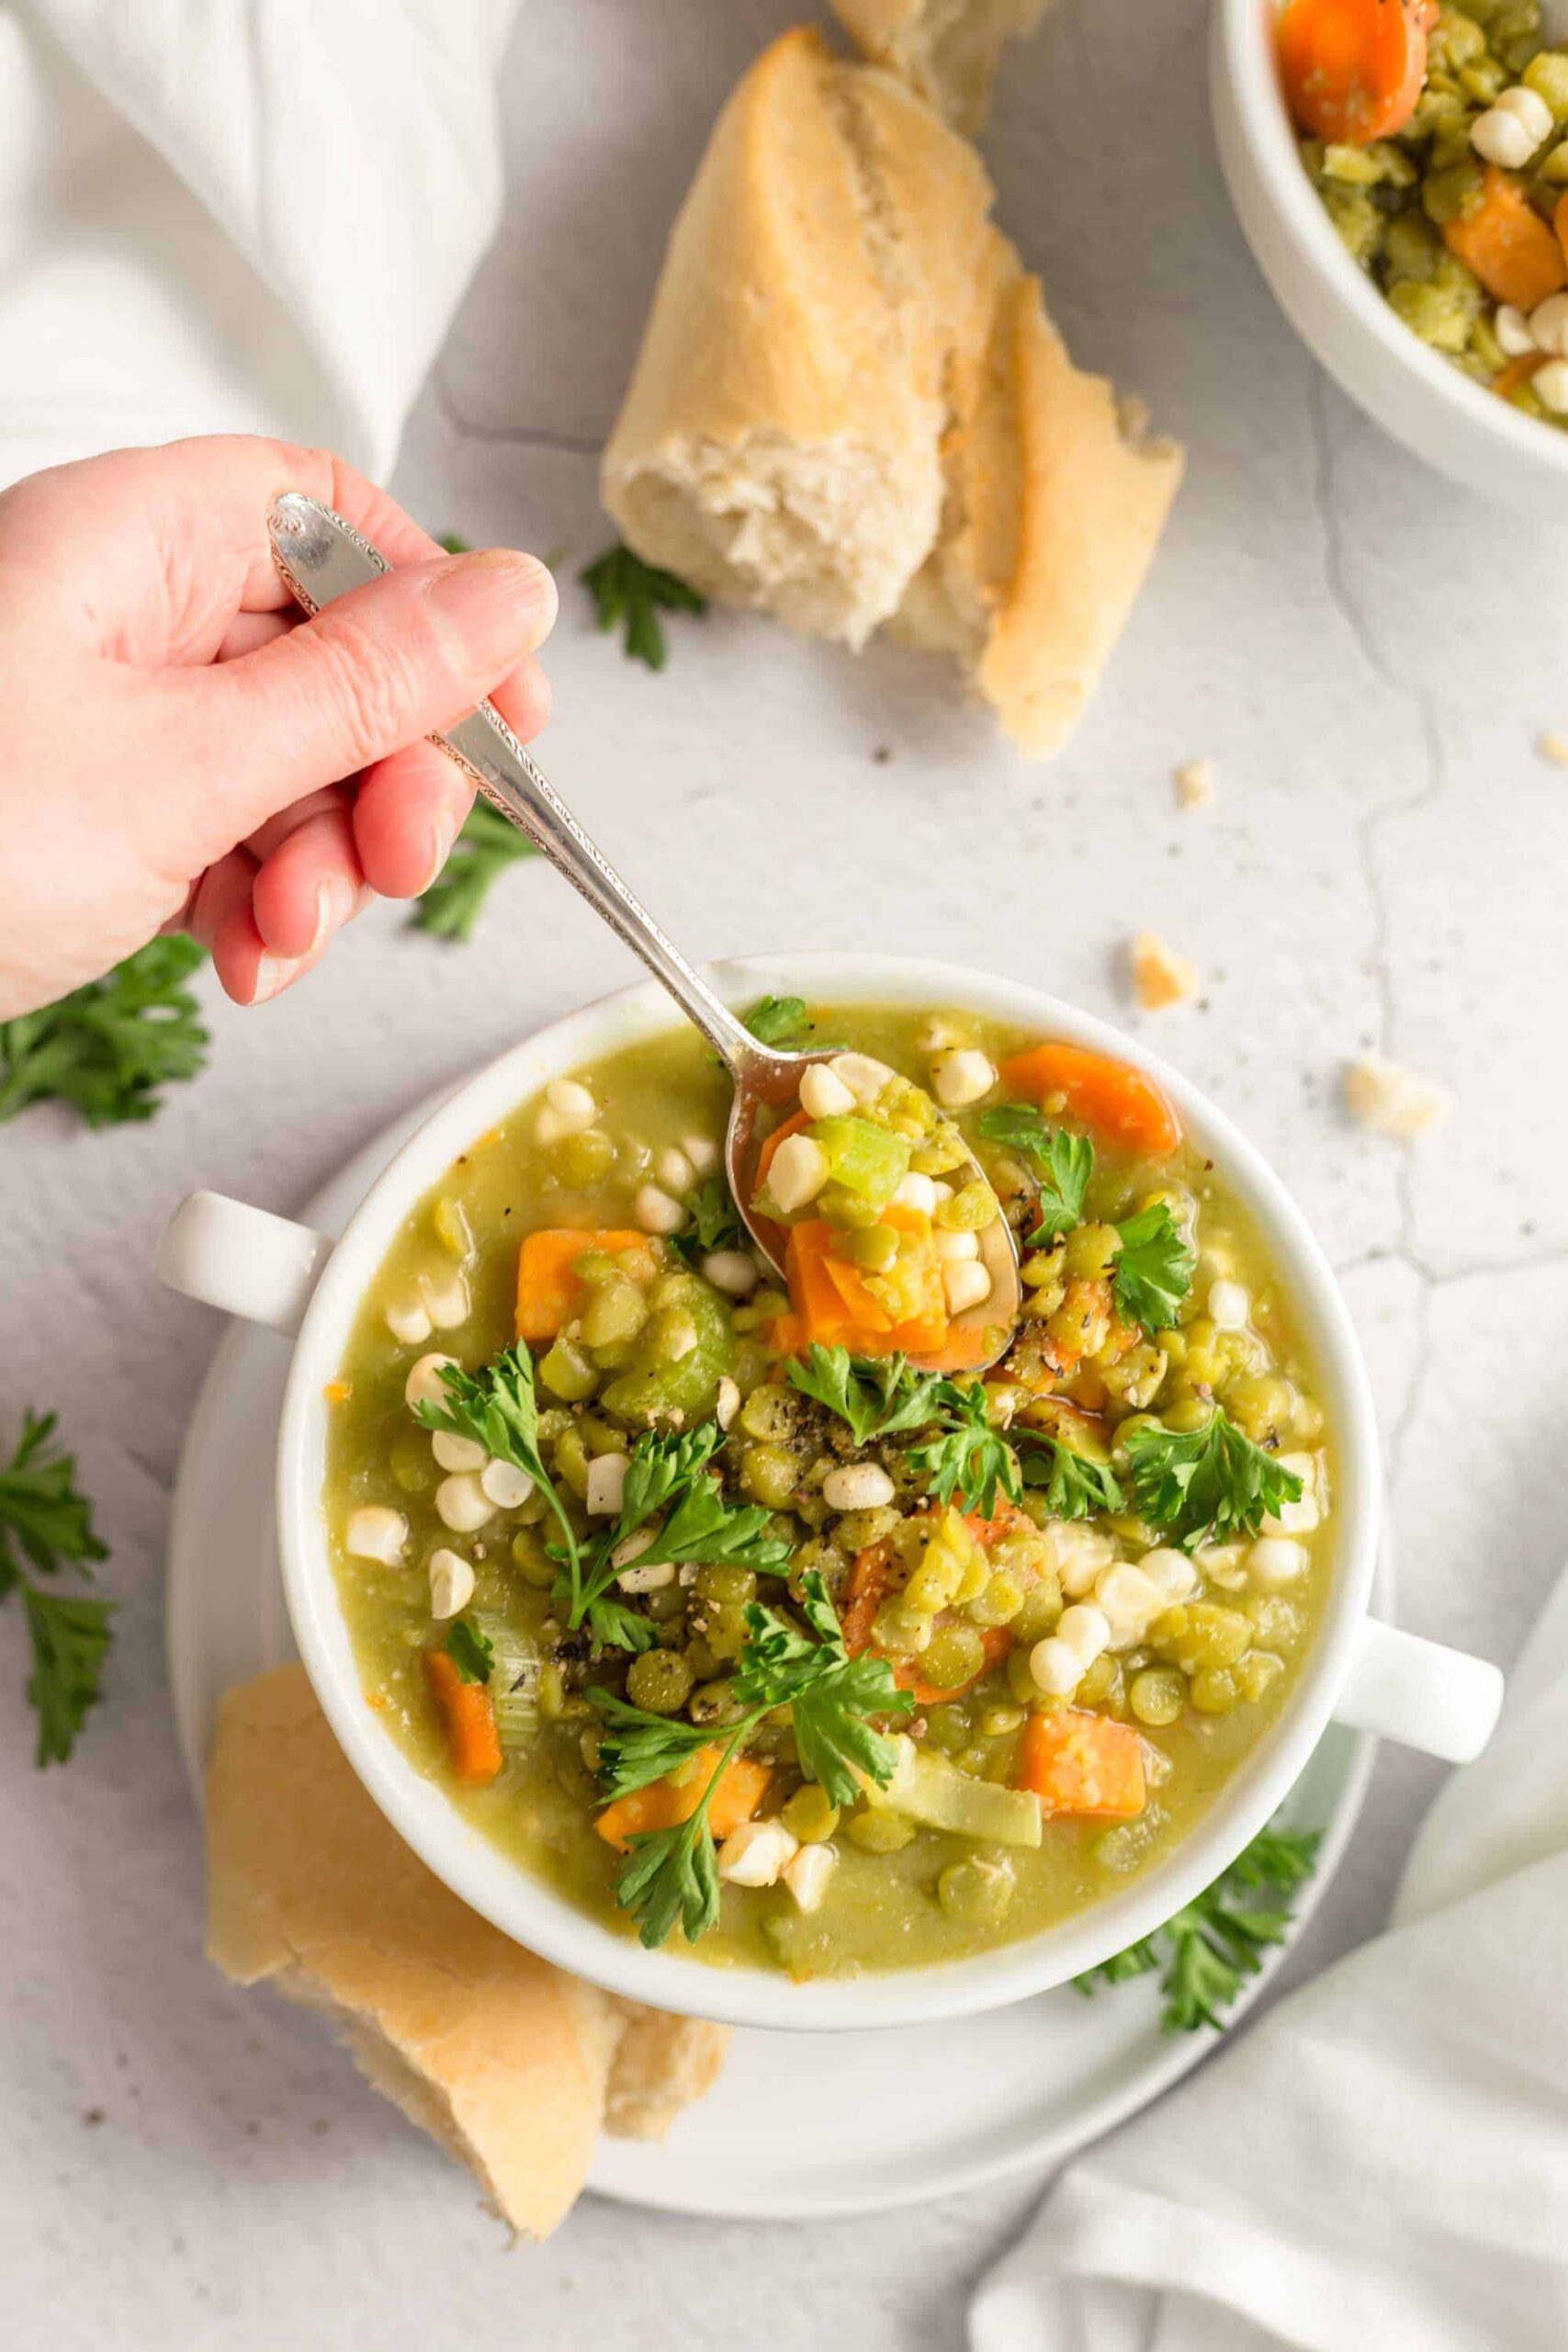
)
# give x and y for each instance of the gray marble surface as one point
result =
(1368, 653)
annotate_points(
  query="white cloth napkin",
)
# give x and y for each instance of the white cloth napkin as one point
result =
(1381, 2164)
(236, 215)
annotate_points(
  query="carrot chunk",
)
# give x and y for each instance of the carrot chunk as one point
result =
(1086, 1766)
(1354, 69)
(833, 1307)
(1505, 242)
(472, 1738)
(742, 1788)
(548, 1292)
(1117, 1101)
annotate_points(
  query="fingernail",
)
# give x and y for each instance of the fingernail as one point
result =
(443, 833)
(336, 903)
(500, 603)
(273, 973)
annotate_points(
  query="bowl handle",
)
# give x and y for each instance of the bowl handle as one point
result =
(243, 1260)
(1443, 1702)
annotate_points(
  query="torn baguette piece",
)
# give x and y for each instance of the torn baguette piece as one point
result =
(851, 409)
(510, 2064)
(947, 50)
(1392, 1099)
(1160, 975)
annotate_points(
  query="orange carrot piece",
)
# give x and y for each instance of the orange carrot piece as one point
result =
(832, 1305)
(1354, 69)
(1117, 1101)
(1086, 1766)
(1504, 239)
(1560, 221)
(1506, 381)
(742, 1788)
(548, 1292)
(471, 1735)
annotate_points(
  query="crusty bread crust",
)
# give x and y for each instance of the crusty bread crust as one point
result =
(946, 49)
(851, 409)
(510, 2064)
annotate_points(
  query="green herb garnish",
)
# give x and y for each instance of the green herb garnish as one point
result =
(1154, 1271)
(875, 1395)
(497, 1406)
(471, 1651)
(967, 1458)
(46, 1525)
(1216, 1941)
(673, 1875)
(482, 851)
(1206, 1482)
(715, 1223)
(1063, 1164)
(669, 1473)
(630, 594)
(1076, 1486)
(109, 1048)
(780, 1021)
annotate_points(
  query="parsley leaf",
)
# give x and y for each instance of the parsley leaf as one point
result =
(1195, 1483)
(45, 1525)
(875, 1395)
(470, 1650)
(109, 1048)
(666, 1469)
(1216, 1941)
(630, 593)
(486, 845)
(70, 1637)
(830, 1693)
(715, 1223)
(1076, 1486)
(1063, 1163)
(498, 1408)
(615, 1626)
(967, 1458)
(1154, 1271)
(640, 1746)
(673, 1875)
(41, 1515)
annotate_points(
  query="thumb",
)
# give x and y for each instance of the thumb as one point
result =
(401, 657)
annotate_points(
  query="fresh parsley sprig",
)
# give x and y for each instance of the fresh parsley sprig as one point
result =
(875, 1395)
(1076, 1486)
(630, 594)
(1063, 1164)
(46, 1525)
(967, 1457)
(470, 1650)
(1208, 1482)
(714, 1223)
(1154, 1268)
(668, 1473)
(498, 1409)
(672, 1875)
(108, 1049)
(1216, 1942)
(482, 851)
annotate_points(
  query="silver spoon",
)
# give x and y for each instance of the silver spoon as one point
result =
(321, 557)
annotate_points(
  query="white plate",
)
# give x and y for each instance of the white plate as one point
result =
(856, 2122)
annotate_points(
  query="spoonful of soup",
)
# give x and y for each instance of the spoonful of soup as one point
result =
(854, 1185)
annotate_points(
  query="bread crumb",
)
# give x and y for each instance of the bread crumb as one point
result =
(1392, 1099)
(1553, 747)
(1161, 977)
(1194, 782)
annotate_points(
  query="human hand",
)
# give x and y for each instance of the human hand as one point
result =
(179, 748)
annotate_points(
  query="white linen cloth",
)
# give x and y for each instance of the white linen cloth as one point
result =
(236, 215)
(1381, 2164)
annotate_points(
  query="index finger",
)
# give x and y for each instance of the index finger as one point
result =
(174, 539)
